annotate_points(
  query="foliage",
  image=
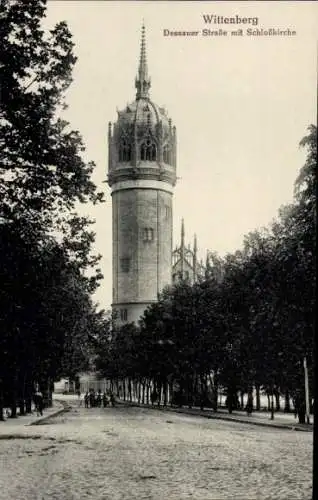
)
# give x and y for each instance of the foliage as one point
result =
(42, 171)
(48, 271)
(248, 324)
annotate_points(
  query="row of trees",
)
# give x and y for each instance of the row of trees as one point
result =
(250, 329)
(47, 270)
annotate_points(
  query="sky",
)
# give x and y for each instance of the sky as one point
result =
(241, 104)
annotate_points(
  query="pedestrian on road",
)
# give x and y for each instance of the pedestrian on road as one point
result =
(86, 400)
(92, 398)
(99, 399)
(105, 400)
(153, 397)
(112, 399)
(38, 401)
(79, 399)
(249, 404)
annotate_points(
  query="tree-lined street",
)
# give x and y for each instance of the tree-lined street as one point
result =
(241, 332)
(126, 453)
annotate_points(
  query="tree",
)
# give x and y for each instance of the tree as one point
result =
(42, 171)
(47, 313)
(48, 271)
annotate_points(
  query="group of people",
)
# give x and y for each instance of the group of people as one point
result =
(98, 399)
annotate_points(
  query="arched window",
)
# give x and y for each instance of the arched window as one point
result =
(124, 151)
(167, 154)
(148, 151)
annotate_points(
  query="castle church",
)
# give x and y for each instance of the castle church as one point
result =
(142, 163)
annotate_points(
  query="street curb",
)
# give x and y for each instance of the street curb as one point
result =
(221, 417)
(66, 408)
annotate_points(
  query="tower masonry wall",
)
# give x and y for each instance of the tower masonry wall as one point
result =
(142, 245)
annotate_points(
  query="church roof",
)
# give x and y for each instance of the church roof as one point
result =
(144, 111)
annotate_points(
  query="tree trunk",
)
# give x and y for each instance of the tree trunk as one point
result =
(231, 397)
(129, 390)
(215, 392)
(21, 406)
(28, 396)
(139, 392)
(277, 400)
(21, 394)
(287, 402)
(258, 398)
(171, 392)
(13, 407)
(242, 400)
(268, 402)
(44, 389)
(14, 397)
(124, 388)
(195, 388)
(28, 405)
(190, 393)
(202, 391)
(50, 388)
(159, 390)
(250, 401)
(302, 411)
(1, 401)
(143, 390)
(181, 393)
(147, 391)
(165, 393)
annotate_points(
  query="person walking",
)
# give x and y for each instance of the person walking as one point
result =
(38, 401)
(79, 399)
(112, 399)
(86, 400)
(249, 404)
(105, 400)
(92, 398)
(99, 399)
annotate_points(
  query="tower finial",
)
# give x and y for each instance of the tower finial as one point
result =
(143, 82)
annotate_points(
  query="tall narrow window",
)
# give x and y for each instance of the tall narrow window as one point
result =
(123, 314)
(148, 151)
(125, 264)
(148, 234)
(124, 151)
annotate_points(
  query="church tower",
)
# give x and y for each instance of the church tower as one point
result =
(141, 175)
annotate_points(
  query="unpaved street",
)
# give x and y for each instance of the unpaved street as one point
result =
(132, 453)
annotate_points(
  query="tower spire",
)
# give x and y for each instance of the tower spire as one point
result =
(182, 249)
(194, 263)
(182, 232)
(143, 82)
